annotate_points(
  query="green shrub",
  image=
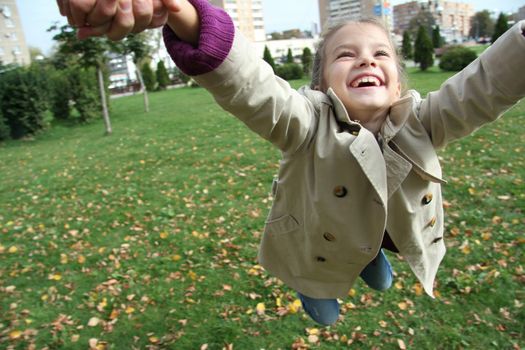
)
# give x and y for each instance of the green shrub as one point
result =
(456, 58)
(148, 76)
(22, 103)
(289, 71)
(163, 79)
(61, 94)
(4, 129)
(85, 93)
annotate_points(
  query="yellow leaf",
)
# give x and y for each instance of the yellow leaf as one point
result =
(114, 314)
(75, 338)
(260, 309)
(55, 277)
(63, 258)
(398, 285)
(129, 310)
(465, 248)
(176, 257)
(153, 340)
(312, 331)
(278, 302)
(2, 249)
(13, 249)
(81, 259)
(164, 235)
(192, 275)
(486, 236)
(418, 289)
(295, 306)
(352, 292)
(402, 305)
(16, 334)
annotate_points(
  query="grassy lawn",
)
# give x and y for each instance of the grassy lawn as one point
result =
(147, 239)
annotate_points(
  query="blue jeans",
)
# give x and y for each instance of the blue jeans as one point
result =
(377, 275)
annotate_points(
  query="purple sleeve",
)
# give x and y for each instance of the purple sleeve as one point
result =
(215, 41)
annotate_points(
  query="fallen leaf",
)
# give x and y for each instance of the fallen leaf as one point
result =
(93, 321)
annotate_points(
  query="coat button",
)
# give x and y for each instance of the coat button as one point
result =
(432, 222)
(329, 237)
(427, 198)
(340, 191)
(321, 259)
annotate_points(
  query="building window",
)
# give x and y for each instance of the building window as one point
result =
(6, 11)
(9, 23)
(1, 52)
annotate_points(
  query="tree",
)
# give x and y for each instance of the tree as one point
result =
(90, 53)
(481, 25)
(267, 56)
(307, 60)
(501, 27)
(289, 56)
(138, 46)
(149, 77)
(163, 79)
(423, 50)
(406, 46)
(437, 39)
(423, 19)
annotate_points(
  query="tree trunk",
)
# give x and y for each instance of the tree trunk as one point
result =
(105, 113)
(143, 89)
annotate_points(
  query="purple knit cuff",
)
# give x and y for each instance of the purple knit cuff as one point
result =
(215, 41)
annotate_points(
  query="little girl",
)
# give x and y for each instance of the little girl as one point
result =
(359, 170)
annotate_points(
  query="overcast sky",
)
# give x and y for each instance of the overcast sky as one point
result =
(39, 15)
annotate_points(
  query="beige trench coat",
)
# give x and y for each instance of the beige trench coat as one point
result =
(337, 191)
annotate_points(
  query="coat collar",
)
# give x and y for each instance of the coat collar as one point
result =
(394, 122)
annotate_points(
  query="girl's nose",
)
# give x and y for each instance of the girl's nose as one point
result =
(367, 61)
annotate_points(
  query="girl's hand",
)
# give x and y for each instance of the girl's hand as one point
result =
(116, 18)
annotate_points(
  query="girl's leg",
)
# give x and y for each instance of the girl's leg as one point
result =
(322, 311)
(378, 273)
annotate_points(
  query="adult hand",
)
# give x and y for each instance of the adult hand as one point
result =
(116, 18)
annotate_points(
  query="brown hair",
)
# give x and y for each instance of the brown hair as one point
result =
(317, 67)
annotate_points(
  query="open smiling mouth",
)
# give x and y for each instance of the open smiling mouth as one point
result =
(366, 81)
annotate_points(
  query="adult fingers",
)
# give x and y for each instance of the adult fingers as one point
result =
(171, 5)
(60, 4)
(87, 32)
(123, 21)
(160, 14)
(143, 13)
(102, 13)
(79, 10)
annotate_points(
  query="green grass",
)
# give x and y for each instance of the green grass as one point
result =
(152, 234)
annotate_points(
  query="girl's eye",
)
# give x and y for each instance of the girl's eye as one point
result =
(345, 54)
(382, 53)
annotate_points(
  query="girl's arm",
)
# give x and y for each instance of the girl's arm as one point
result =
(480, 93)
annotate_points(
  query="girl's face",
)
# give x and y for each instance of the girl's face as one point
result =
(361, 67)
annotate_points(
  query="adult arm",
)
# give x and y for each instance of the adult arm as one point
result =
(480, 93)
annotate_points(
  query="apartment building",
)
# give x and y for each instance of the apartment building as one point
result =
(334, 11)
(13, 48)
(453, 18)
(247, 16)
